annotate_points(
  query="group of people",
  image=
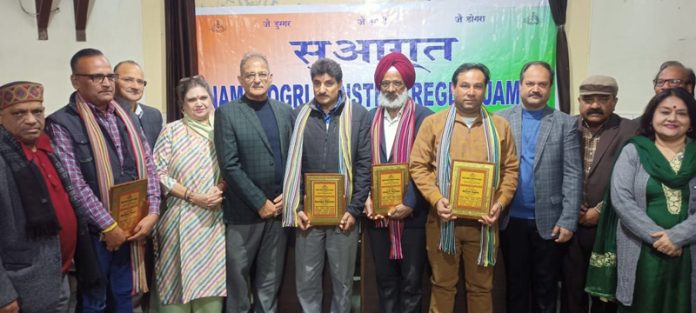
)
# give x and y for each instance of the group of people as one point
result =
(598, 202)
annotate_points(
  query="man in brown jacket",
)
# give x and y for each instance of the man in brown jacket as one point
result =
(468, 128)
(602, 134)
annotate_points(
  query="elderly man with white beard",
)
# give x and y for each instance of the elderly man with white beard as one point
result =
(397, 239)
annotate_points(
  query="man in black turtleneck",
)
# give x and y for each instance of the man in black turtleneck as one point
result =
(252, 135)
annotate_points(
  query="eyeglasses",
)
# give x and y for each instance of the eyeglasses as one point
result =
(671, 82)
(396, 83)
(263, 76)
(601, 99)
(99, 78)
(131, 80)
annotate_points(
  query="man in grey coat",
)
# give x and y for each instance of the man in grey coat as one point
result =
(252, 135)
(544, 211)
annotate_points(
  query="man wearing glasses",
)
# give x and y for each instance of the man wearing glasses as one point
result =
(130, 86)
(252, 136)
(101, 145)
(673, 74)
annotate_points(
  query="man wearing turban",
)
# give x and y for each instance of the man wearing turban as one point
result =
(40, 229)
(397, 239)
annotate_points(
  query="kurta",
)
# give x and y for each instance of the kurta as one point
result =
(189, 240)
(661, 281)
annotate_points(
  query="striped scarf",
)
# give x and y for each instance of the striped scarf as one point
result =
(293, 171)
(401, 149)
(486, 255)
(105, 174)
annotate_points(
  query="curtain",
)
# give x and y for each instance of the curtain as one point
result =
(181, 49)
(558, 11)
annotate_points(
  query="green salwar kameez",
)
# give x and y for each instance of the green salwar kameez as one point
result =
(663, 283)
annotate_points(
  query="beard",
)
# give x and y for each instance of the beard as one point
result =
(397, 103)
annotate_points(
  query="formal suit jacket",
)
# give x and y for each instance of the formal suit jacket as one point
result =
(613, 136)
(246, 158)
(557, 169)
(150, 121)
(413, 198)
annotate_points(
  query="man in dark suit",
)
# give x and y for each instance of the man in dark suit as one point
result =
(544, 211)
(252, 135)
(130, 86)
(398, 239)
(601, 134)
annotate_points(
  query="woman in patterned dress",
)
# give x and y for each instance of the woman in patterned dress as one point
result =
(652, 192)
(190, 235)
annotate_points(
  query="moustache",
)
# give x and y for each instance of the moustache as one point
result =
(535, 94)
(595, 111)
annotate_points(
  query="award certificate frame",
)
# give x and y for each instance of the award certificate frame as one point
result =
(128, 204)
(325, 203)
(389, 182)
(471, 189)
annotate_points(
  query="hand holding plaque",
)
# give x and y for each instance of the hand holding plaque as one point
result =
(389, 182)
(325, 198)
(128, 204)
(471, 189)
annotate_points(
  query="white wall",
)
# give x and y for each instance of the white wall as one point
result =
(114, 27)
(629, 39)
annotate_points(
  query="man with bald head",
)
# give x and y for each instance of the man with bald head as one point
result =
(130, 87)
(398, 239)
(102, 145)
(673, 74)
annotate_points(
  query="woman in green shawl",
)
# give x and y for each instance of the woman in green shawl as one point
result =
(644, 258)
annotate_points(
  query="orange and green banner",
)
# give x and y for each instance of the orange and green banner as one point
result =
(437, 36)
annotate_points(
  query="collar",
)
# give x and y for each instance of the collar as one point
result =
(459, 117)
(43, 143)
(138, 110)
(97, 112)
(253, 104)
(388, 118)
(612, 121)
(336, 107)
(525, 108)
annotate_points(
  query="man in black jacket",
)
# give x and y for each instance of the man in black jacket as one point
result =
(331, 135)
